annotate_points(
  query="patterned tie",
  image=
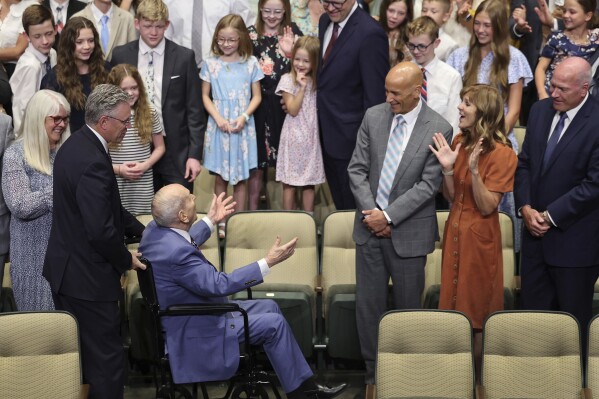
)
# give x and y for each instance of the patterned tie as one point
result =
(423, 92)
(150, 76)
(331, 42)
(47, 65)
(392, 156)
(104, 35)
(196, 31)
(59, 18)
(554, 139)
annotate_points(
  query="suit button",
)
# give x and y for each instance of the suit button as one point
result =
(455, 239)
(455, 266)
(453, 299)
(455, 253)
(232, 325)
(455, 281)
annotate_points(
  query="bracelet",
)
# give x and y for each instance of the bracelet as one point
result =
(450, 173)
(246, 116)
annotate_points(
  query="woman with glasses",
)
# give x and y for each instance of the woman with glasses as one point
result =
(272, 40)
(394, 17)
(27, 188)
(80, 67)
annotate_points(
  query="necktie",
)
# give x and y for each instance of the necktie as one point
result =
(331, 42)
(196, 31)
(150, 76)
(423, 91)
(554, 139)
(59, 18)
(47, 65)
(104, 35)
(391, 162)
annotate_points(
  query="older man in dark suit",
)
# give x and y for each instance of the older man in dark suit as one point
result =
(394, 177)
(351, 78)
(557, 193)
(173, 85)
(86, 255)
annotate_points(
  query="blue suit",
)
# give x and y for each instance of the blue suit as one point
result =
(351, 81)
(206, 348)
(559, 270)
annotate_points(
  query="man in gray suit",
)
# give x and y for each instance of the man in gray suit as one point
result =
(394, 178)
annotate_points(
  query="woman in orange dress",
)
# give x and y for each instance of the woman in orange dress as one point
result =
(477, 169)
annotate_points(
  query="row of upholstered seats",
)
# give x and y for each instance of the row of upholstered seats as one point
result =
(525, 355)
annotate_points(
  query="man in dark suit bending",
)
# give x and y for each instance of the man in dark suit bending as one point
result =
(86, 255)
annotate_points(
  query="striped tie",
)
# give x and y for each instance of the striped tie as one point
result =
(392, 157)
(423, 92)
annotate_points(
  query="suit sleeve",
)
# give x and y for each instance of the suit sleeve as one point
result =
(359, 167)
(200, 232)
(515, 4)
(424, 189)
(133, 227)
(5, 91)
(196, 119)
(374, 66)
(93, 196)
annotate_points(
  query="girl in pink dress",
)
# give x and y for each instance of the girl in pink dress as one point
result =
(300, 157)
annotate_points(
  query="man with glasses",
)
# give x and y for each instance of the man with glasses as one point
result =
(351, 78)
(443, 83)
(86, 255)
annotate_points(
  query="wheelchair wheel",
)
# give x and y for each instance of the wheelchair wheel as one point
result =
(246, 392)
(180, 393)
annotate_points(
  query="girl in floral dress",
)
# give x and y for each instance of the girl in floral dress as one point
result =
(300, 156)
(272, 38)
(233, 78)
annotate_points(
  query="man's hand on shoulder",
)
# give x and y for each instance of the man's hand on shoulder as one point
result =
(220, 208)
(278, 253)
(135, 262)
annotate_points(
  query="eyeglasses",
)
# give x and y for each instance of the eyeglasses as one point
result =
(275, 12)
(336, 4)
(419, 47)
(221, 41)
(123, 122)
(58, 119)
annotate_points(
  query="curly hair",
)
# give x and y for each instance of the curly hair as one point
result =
(500, 46)
(402, 38)
(490, 120)
(143, 111)
(66, 67)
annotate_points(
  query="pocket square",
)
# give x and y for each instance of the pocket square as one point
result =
(175, 77)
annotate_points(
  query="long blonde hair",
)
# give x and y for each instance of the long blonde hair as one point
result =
(490, 120)
(498, 75)
(36, 146)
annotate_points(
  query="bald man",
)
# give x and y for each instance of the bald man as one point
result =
(557, 193)
(394, 178)
(184, 276)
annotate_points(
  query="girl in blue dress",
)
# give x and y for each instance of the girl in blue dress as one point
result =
(233, 78)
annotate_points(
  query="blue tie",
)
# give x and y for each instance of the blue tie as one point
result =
(104, 35)
(391, 162)
(554, 139)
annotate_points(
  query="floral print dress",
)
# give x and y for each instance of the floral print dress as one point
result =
(269, 116)
(231, 155)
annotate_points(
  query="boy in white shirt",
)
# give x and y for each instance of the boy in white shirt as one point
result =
(36, 61)
(443, 83)
(440, 11)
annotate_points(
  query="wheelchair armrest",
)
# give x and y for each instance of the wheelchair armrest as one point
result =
(201, 309)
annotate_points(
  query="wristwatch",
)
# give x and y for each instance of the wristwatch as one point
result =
(545, 215)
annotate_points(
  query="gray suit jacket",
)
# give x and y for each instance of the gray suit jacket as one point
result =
(6, 137)
(417, 180)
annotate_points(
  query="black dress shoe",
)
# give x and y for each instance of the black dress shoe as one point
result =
(324, 392)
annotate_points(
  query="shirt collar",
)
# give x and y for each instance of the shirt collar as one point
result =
(411, 116)
(572, 112)
(145, 49)
(431, 65)
(65, 5)
(182, 233)
(353, 9)
(104, 142)
(39, 56)
(99, 14)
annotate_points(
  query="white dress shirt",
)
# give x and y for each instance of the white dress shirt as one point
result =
(329, 32)
(143, 59)
(102, 140)
(26, 80)
(443, 91)
(98, 17)
(181, 12)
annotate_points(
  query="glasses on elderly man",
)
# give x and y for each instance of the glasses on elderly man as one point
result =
(58, 119)
(336, 4)
(123, 122)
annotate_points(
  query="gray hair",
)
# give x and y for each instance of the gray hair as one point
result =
(166, 206)
(102, 101)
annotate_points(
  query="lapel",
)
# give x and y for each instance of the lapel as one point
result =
(573, 129)
(70, 8)
(170, 59)
(385, 129)
(115, 27)
(344, 37)
(416, 138)
(179, 238)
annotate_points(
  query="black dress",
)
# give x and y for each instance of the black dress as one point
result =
(269, 116)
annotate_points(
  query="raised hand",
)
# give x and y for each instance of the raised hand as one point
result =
(519, 15)
(443, 151)
(278, 253)
(220, 208)
(287, 40)
(542, 11)
(474, 157)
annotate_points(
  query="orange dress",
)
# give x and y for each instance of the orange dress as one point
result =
(472, 270)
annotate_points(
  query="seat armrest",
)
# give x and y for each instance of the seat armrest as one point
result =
(517, 283)
(480, 392)
(200, 309)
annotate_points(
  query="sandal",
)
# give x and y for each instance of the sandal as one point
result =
(221, 230)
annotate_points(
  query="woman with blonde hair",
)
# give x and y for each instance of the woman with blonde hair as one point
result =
(27, 188)
(477, 169)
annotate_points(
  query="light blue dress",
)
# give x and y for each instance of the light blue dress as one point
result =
(231, 156)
